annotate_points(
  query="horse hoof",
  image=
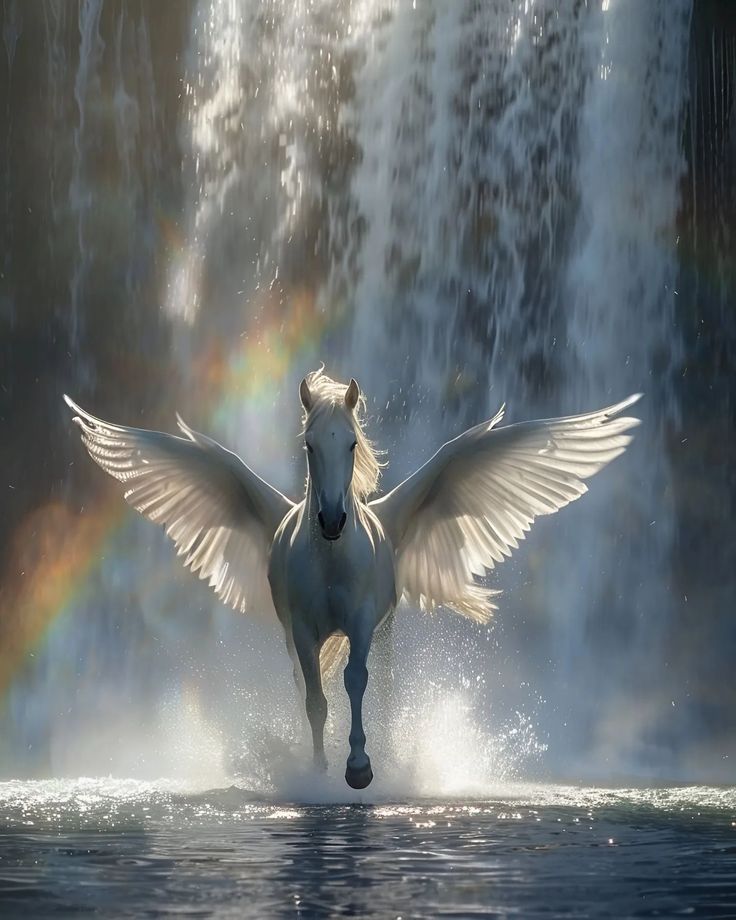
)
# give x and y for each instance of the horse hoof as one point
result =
(360, 778)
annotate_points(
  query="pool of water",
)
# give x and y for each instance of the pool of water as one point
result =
(129, 848)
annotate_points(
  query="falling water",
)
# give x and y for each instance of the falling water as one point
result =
(461, 204)
(482, 205)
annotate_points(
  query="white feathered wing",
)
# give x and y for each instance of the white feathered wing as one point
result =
(219, 513)
(467, 507)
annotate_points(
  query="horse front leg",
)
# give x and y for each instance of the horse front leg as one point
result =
(358, 773)
(307, 649)
(296, 668)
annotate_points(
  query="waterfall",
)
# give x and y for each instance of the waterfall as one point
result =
(459, 203)
(620, 289)
(465, 190)
(517, 199)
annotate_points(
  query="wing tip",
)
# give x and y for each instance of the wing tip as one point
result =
(498, 417)
(82, 419)
(184, 428)
(624, 404)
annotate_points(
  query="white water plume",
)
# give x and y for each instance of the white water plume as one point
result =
(619, 290)
(504, 232)
(462, 194)
(81, 197)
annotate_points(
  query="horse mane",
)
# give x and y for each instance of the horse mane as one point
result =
(328, 396)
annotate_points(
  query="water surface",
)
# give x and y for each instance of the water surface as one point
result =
(129, 848)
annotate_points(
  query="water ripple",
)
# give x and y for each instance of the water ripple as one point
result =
(125, 847)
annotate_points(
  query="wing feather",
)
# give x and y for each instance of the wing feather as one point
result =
(221, 516)
(466, 509)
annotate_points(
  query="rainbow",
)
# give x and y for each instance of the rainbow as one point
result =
(57, 549)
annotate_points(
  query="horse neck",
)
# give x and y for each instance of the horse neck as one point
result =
(310, 500)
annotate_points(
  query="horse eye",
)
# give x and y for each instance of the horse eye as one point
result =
(352, 446)
(309, 447)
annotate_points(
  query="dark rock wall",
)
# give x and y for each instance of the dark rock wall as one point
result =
(79, 242)
(704, 445)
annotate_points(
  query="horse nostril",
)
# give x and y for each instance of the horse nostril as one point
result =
(321, 520)
(343, 518)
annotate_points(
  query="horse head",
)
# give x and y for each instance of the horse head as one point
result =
(330, 439)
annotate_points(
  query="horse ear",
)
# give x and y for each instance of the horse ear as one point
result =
(352, 394)
(305, 395)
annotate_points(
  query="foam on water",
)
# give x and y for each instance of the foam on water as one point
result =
(101, 801)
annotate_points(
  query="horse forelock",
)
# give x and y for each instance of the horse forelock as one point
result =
(328, 396)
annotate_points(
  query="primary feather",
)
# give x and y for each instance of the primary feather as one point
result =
(219, 513)
(466, 509)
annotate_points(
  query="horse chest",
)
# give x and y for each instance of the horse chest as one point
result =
(329, 579)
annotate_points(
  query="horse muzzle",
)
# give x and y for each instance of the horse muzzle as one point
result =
(332, 525)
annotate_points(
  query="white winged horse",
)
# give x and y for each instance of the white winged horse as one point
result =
(336, 562)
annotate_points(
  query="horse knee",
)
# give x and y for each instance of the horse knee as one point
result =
(316, 707)
(355, 676)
